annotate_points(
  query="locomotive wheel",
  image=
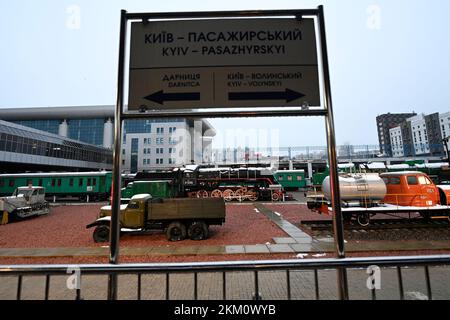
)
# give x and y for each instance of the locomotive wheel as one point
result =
(240, 194)
(216, 194)
(176, 231)
(228, 195)
(198, 231)
(363, 219)
(202, 194)
(101, 233)
(275, 196)
(252, 195)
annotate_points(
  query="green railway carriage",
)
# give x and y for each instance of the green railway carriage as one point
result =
(291, 179)
(157, 189)
(95, 185)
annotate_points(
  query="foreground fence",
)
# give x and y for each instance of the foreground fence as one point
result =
(286, 280)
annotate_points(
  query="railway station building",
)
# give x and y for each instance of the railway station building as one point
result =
(147, 144)
(26, 149)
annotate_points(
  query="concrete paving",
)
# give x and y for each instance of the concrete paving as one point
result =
(273, 285)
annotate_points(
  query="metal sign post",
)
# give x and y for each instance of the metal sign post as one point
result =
(171, 72)
(338, 225)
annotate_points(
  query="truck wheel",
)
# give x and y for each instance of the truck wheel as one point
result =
(176, 231)
(101, 233)
(198, 231)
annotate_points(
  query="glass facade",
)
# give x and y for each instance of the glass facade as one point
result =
(134, 154)
(137, 126)
(86, 130)
(91, 130)
(51, 126)
(18, 140)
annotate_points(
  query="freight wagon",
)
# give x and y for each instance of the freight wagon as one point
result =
(83, 185)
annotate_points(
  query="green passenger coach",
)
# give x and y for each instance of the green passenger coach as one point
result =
(84, 185)
(291, 179)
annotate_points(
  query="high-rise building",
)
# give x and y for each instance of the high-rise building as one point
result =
(419, 135)
(385, 122)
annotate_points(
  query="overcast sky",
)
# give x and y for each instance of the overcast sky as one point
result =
(385, 56)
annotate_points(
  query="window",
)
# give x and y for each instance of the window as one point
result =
(424, 180)
(53, 182)
(59, 182)
(145, 151)
(289, 178)
(144, 161)
(2, 183)
(40, 182)
(29, 182)
(412, 180)
(80, 182)
(94, 182)
(133, 205)
(280, 178)
(11, 183)
(394, 180)
(71, 182)
(89, 181)
(299, 178)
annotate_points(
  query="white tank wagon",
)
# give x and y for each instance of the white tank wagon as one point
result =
(358, 188)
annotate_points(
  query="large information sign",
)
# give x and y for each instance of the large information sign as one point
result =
(219, 63)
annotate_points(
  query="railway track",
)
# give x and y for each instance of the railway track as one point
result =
(379, 224)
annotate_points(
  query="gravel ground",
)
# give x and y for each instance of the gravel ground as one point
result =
(65, 226)
(297, 213)
(389, 234)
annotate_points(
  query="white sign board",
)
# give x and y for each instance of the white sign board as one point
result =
(223, 63)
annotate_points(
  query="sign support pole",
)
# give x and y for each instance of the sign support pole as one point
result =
(115, 201)
(338, 226)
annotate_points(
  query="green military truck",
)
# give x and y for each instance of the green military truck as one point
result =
(179, 218)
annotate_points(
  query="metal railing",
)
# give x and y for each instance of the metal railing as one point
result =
(223, 268)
